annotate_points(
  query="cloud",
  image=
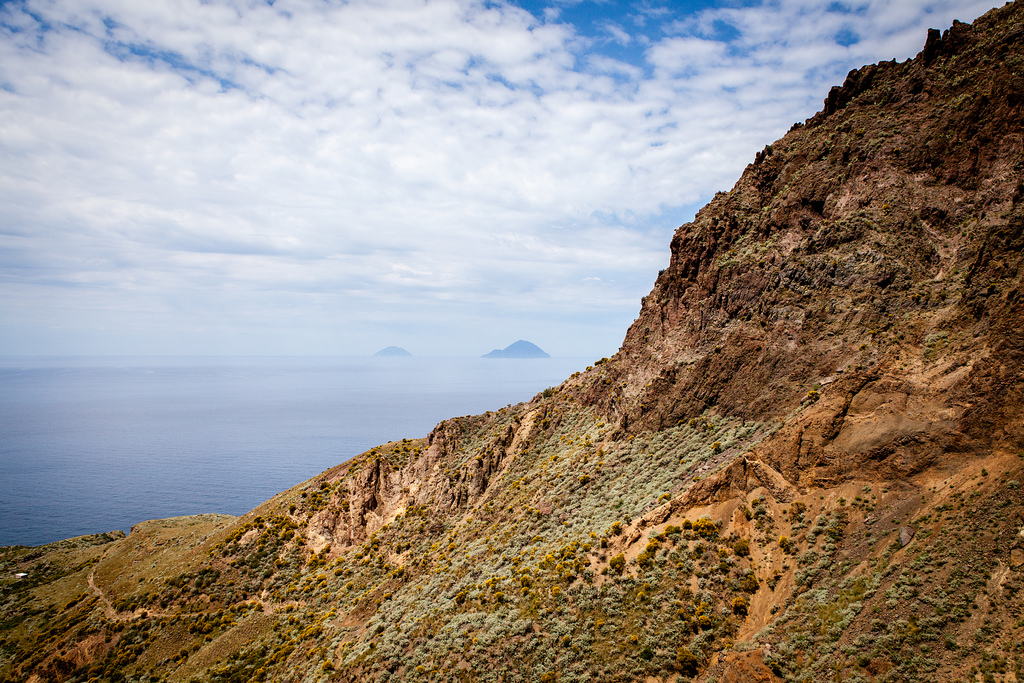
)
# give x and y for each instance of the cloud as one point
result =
(617, 34)
(247, 171)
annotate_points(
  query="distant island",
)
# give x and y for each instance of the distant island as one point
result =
(519, 349)
(392, 351)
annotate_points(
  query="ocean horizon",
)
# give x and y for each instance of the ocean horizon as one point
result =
(98, 443)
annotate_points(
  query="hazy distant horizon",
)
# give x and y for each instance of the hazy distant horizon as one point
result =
(142, 356)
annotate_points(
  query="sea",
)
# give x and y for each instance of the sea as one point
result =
(95, 444)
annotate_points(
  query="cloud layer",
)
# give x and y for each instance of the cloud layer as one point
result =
(304, 176)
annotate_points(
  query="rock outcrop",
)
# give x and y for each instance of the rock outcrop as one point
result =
(865, 270)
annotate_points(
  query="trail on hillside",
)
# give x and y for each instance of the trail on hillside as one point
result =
(108, 607)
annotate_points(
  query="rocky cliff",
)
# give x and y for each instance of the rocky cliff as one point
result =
(804, 463)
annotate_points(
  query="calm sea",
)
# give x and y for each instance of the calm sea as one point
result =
(95, 444)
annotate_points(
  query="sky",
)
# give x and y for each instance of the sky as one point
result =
(318, 177)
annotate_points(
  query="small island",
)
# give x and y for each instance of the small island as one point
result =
(519, 349)
(392, 352)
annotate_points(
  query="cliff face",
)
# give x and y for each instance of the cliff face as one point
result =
(804, 463)
(870, 256)
(431, 473)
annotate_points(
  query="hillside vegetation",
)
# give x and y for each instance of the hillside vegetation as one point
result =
(804, 463)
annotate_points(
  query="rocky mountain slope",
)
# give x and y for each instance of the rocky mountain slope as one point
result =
(803, 464)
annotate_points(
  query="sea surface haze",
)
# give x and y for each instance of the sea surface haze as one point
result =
(94, 444)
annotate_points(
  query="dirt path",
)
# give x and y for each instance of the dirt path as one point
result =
(108, 607)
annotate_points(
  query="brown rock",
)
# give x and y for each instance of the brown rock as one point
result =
(834, 288)
(746, 667)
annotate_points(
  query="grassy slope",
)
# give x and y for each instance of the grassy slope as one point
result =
(519, 586)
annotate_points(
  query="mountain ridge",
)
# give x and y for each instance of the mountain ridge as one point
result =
(803, 463)
(518, 349)
(393, 352)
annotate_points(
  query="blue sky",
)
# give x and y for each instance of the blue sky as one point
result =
(307, 177)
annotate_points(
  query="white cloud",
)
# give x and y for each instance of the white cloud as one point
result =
(617, 34)
(298, 175)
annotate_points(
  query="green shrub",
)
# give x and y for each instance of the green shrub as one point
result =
(687, 662)
(706, 528)
(617, 563)
(796, 511)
